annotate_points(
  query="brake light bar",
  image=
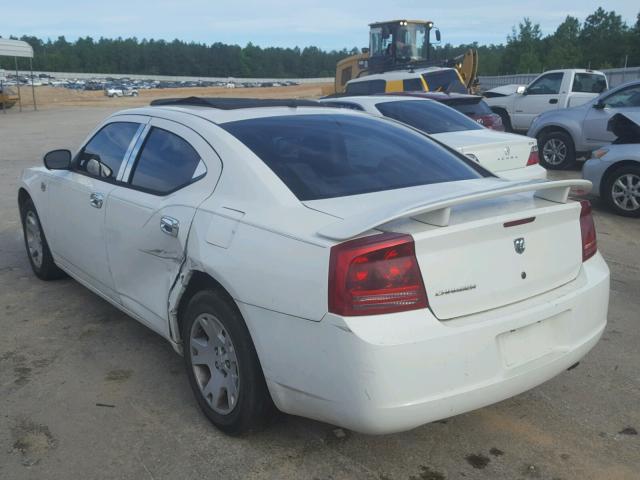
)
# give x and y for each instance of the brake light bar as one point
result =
(375, 275)
(587, 231)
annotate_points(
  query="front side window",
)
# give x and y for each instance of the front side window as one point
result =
(428, 116)
(166, 163)
(589, 83)
(104, 153)
(627, 97)
(327, 156)
(548, 84)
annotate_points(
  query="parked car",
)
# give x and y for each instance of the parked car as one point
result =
(341, 266)
(565, 135)
(553, 90)
(472, 106)
(121, 92)
(614, 170)
(511, 156)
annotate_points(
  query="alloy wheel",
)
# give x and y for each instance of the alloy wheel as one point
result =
(34, 238)
(625, 192)
(214, 363)
(554, 151)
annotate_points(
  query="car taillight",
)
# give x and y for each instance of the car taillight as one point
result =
(533, 156)
(375, 274)
(588, 231)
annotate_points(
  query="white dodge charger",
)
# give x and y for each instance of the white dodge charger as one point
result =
(335, 265)
(510, 156)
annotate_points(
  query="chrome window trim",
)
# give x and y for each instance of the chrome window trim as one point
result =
(133, 154)
(127, 153)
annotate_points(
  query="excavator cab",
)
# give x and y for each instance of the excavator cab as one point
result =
(399, 43)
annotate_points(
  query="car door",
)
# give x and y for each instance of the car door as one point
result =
(595, 122)
(542, 95)
(172, 170)
(76, 202)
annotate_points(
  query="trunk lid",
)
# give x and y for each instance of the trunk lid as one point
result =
(494, 150)
(477, 261)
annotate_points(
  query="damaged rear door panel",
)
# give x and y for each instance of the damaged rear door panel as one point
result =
(148, 218)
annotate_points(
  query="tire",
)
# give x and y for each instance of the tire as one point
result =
(225, 374)
(506, 120)
(622, 191)
(556, 150)
(36, 244)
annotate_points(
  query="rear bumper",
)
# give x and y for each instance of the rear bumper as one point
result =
(390, 373)
(532, 172)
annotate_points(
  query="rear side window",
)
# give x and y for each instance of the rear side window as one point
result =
(366, 88)
(412, 85)
(327, 156)
(166, 163)
(103, 155)
(427, 115)
(589, 83)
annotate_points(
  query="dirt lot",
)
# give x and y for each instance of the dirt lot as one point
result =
(88, 393)
(53, 97)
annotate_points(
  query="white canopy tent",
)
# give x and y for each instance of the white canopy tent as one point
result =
(15, 49)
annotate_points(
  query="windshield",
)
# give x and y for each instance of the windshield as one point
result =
(327, 156)
(408, 43)
(428, 116)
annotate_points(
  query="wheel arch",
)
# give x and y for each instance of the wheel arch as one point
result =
(23, 196)
(611, 169)
(193, 281)
(555, 128)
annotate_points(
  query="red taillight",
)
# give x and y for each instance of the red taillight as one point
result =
(533, 156)
(374, 275)
(588, 231)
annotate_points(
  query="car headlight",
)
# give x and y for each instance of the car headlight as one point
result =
(601, 152)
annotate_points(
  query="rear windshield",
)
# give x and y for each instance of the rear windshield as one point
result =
(589, 83)
(427, 115)
(444, 81)
(327, 156)
(470, 107)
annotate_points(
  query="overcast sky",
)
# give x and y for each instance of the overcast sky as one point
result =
(287, 23)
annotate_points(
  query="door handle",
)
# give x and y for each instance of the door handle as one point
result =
(553, 100)
(170, 226)
(96, 199)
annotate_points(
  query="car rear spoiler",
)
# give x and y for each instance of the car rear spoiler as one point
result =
(438, 212)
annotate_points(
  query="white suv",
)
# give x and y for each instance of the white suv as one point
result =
(341, 266)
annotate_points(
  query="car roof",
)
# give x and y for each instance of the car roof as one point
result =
(252, 108)
(398, 74)
(372, 100)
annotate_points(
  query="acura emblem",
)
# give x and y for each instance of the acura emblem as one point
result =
(518, 244)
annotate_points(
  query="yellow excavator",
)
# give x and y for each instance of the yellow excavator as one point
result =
(405, 45)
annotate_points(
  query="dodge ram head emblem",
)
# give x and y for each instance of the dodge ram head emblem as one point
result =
(518, 244)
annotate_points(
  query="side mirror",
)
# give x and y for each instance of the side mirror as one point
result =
(521, 90)
(599, 105)
(57, 160)
(438, 37)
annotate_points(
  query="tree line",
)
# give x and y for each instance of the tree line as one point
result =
(603, 40)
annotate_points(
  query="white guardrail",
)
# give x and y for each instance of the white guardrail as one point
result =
(616, 76)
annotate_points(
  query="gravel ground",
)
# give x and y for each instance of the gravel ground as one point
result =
(88, 393)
